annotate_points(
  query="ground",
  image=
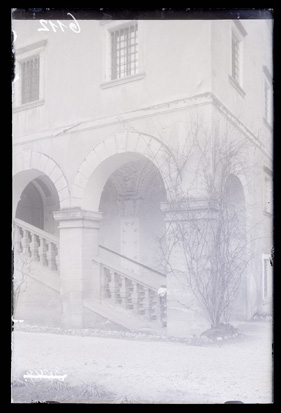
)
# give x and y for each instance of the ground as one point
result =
(120, 367)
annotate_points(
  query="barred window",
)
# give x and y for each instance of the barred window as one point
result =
(268, 102)
(30, 79)
(124, 52)
(267, 277)
(267, 194)
(236, 59)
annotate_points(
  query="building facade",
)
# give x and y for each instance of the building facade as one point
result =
(109, 118)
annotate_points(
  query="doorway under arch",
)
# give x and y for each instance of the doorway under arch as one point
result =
(133, 221)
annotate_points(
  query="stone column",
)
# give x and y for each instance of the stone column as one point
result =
(80, 277)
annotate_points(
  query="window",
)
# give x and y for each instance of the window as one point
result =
(238, 33)
(266, 277)
(124, 52)
(30, 79)
(267, 191)
(268, 106)
(236, 58)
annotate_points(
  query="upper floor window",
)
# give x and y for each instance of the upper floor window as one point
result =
(124, 52)
(268, 105)
(266, 277)
(236, 58)
(30, 79)
(267, 191)
(237, 36)
(28, 84)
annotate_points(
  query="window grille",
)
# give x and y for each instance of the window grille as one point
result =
(124, 52)
(235, 58)
(30, 80)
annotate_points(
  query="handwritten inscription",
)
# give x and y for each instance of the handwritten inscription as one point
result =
(73, 25)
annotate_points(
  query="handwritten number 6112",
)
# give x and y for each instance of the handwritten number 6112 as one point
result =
(74, 26)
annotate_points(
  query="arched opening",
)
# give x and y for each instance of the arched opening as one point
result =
(30, 207)
(236, 231)
(37, 202)
(132, 218)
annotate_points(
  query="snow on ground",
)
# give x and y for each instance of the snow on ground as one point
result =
(155, 371)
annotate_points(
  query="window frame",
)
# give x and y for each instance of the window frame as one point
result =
(236, 68)
(238, 32)
(266, 280)
(267, 187)
(267, 97)
(111, 27)
(23, 54)
(28, 84)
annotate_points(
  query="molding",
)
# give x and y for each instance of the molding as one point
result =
(267, 170)
(240, 27)
(154, 110)
(118, 82)
(236, 85)
(267, 73)
(267, 125)
(77, 214)
(243, 129)
(34, 46)
(28, 105)
(189, 210)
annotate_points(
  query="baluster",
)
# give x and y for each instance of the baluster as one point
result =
(158, 308)
(42, 251)
(123, 290)
(113, 288)
(34, 247)
(134, 296)
(140, 299)
(105, 282)
(163, 310)
(146, 302)
(153, 305)
(17, 239)
(129, 294)
(118, 284)
(57, 259)
(25, 243)
(51, 255)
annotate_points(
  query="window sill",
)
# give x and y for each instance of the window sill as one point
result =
(29, 105)
(236, 85)
(266, 301)
(117, 82)
(267, 214)
(267, 124)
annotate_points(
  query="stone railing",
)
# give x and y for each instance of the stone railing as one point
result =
(36, 244)
(143, 298)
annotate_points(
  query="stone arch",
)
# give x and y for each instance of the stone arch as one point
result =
(102, 161)
(28, 165)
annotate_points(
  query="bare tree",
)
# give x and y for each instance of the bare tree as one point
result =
(206, 244)
(21, 269)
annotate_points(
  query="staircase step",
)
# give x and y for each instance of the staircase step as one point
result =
(120, 316)
(45, 275)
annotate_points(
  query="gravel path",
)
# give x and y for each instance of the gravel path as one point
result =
(151, 371)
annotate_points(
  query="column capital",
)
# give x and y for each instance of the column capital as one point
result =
(77, 218)
(189, 209)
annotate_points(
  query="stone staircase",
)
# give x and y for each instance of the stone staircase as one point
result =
(128, 289)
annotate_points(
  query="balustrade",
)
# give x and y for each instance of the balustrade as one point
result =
(136, 297)
(36, 244)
